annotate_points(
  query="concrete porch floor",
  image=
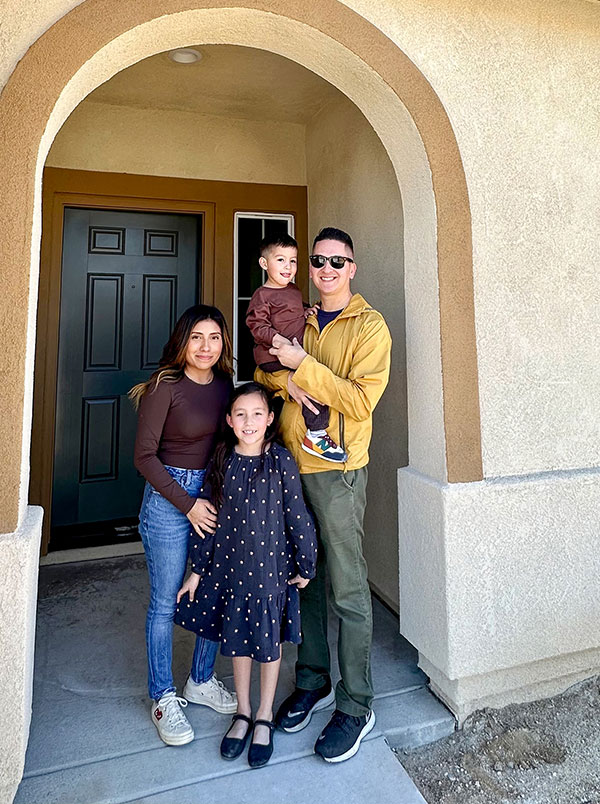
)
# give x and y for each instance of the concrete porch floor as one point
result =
(92, 740)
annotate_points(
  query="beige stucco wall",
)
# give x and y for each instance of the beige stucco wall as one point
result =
(18, 602)
(499, 584)
(165, 142)
(22, 24)
(352, 185)
(520, 84)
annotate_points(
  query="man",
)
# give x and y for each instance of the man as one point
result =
(344, 364)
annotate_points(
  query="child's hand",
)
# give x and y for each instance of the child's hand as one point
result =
(279, 340)
(312, 310)
(189, 587)
(299, 581)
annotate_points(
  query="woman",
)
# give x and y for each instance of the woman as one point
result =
(181, 412)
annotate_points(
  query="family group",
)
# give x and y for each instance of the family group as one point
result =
(266, 508)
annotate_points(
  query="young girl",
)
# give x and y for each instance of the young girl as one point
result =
(263, 550)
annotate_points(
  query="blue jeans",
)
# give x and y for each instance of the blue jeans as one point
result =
(165, 534)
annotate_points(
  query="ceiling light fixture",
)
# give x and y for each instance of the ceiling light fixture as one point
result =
(185, 55)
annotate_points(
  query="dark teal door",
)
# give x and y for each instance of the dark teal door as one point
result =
(126, 277)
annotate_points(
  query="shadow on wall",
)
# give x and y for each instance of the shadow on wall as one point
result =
(352, 185)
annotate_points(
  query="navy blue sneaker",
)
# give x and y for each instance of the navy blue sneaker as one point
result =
(295, 712)
(341, 737)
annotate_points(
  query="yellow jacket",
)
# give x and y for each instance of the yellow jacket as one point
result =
(347, 368)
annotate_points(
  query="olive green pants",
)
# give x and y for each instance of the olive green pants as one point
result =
(338, 501)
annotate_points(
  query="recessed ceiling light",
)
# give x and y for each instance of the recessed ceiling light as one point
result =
(185, 55)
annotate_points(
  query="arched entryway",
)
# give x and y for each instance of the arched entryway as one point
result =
(395, 98)
(98, 39)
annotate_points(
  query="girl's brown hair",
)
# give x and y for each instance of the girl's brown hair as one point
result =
(172, 363)
(215, 474)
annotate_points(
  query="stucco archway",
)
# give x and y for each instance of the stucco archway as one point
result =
(102, 37)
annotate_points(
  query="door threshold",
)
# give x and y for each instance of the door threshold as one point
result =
(91, 553)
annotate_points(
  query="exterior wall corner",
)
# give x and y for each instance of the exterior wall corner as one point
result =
(18, 600)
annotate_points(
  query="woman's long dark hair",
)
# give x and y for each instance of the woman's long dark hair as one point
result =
(172, 363)
(215, 474)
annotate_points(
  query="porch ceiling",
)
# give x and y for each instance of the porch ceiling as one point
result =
(229, 81)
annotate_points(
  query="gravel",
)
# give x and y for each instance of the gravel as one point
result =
(544, 752)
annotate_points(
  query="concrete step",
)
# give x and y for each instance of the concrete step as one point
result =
(412, 718)
(404, 720)
(373, 771)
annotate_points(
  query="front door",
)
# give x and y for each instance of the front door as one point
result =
(126, 278)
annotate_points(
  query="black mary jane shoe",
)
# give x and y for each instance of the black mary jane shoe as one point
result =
(258, 754)
(232, 747)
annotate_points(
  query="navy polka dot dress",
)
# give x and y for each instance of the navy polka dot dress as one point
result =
(264, 537)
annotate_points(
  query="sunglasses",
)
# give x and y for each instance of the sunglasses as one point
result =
(337, 262)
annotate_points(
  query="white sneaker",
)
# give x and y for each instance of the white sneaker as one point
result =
(211, 693)
(172, 725)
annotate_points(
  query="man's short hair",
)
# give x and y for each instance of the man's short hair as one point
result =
(331, 233)
(278, 240)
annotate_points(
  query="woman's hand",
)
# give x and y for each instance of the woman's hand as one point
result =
(299, 395)
(189, 587)
(297, 580)
(203, 516)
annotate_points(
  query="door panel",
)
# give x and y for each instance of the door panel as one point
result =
(126, 277)
(158, 316)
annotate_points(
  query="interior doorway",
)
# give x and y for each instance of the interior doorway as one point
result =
(126, 278)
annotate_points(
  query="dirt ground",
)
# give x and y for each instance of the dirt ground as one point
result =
(545, 752)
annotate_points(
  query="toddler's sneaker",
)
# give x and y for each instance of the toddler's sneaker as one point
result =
(211, 693)
(321, 444)
(172, 725)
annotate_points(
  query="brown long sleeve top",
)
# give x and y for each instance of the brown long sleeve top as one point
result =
(271, 311)
(178, 424)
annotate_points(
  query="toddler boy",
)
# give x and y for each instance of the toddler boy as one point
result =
(277, 308)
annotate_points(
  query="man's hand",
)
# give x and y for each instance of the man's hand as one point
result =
(299, 395)
(288, 354)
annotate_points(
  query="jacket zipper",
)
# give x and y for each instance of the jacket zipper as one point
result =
(341, 424)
